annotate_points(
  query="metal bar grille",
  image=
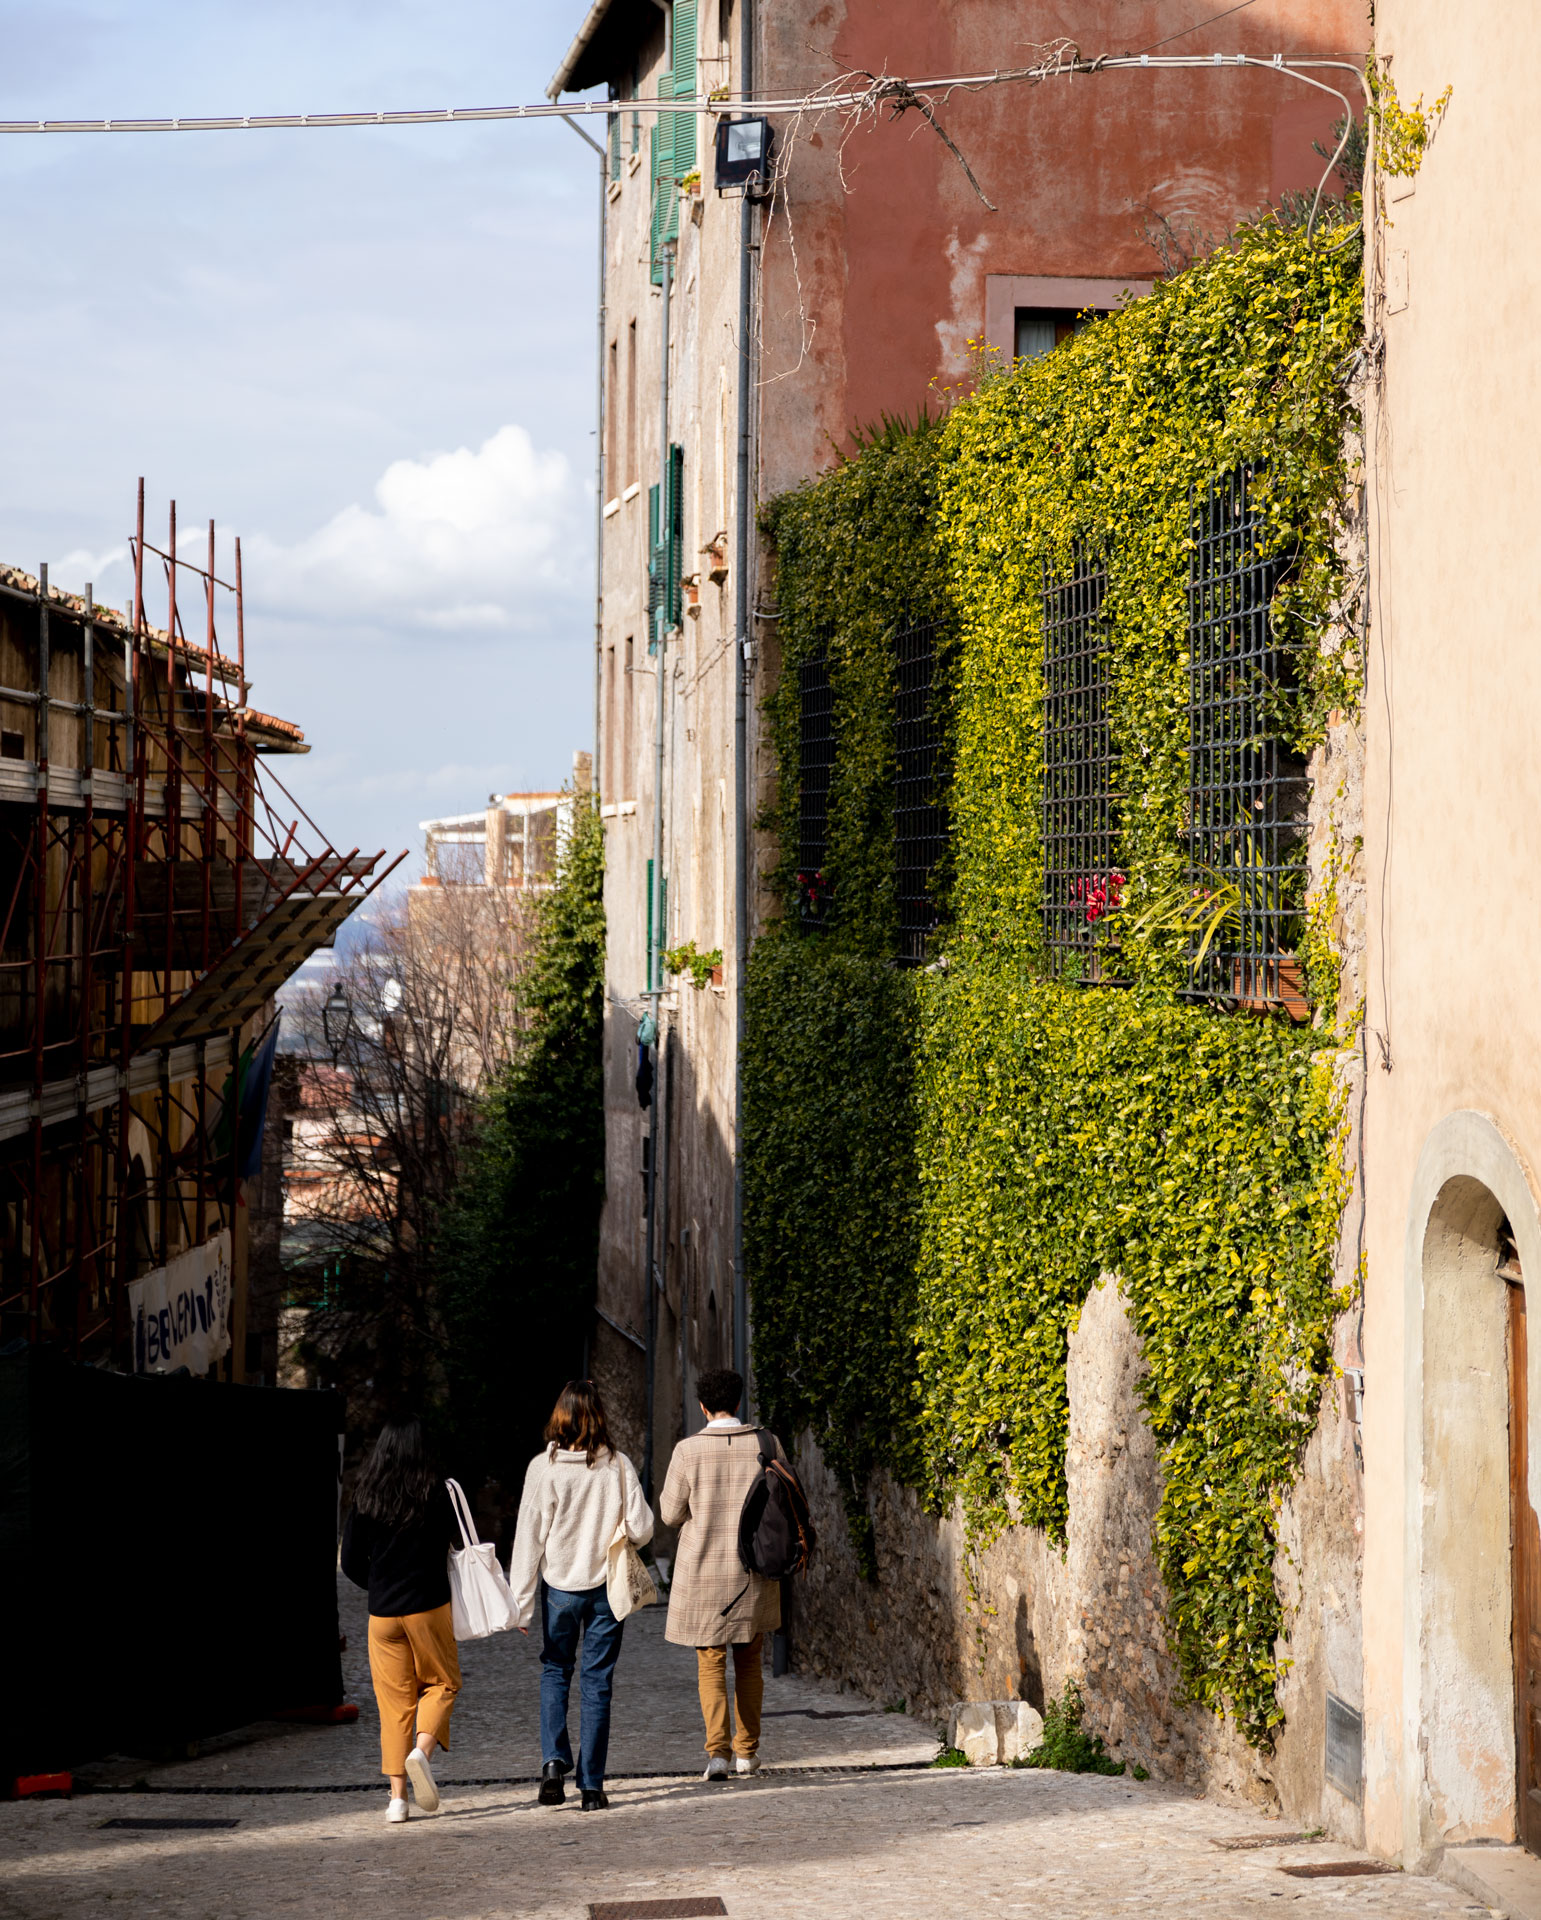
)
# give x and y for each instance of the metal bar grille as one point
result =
(1080, 807)
(816, 766)
(920, 819)
(1246, 792)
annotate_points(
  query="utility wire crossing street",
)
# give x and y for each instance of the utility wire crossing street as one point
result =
(843, 96)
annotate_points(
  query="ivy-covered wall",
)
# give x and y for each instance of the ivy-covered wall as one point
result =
(940, 1163)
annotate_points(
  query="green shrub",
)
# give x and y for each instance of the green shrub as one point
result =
(1066, 1745)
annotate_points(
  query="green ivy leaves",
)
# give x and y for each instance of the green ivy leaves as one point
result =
(940, 1165)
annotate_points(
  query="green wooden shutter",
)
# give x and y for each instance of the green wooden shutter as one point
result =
(683, 74)
(666, 195)
(666, 549)
(657, 571)
(615, 146)
(674, 535)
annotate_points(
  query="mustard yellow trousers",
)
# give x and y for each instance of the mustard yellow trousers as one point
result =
(415, 1666)
(748, 1696)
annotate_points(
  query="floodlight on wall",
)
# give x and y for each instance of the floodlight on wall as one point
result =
(743, 155)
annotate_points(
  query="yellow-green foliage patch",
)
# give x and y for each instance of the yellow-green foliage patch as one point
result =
(940, 1164)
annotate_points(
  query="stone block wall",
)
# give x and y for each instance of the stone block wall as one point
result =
(1037, 1616)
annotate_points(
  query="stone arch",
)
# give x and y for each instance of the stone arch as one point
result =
(1458, 1674)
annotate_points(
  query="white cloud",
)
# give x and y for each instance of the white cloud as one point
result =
(80, 565)
(464, 541)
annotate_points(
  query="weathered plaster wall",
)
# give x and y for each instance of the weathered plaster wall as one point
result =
(1453, 795)
(876, 259)
(1319, 1570)
(1320, 1565)
(1467, 1731)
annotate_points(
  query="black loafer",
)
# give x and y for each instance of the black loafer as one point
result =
(552, 1792)
(594, 1799)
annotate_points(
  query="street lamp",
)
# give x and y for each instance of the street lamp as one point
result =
(336, 1020)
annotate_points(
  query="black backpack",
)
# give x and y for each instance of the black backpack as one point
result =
(775, 1529)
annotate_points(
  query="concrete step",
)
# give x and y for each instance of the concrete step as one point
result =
(1508, 1878)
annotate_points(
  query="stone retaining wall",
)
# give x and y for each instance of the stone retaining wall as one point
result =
(1038, 1616)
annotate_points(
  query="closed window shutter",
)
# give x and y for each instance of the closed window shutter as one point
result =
(666, 195)
(684, 78)
(674, 534)
(615, 146)
(657, 572)
(666, 549)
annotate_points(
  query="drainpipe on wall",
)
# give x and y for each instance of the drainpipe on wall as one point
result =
(599, 449)
(743, 681)
(598, 773)
(656, 1134)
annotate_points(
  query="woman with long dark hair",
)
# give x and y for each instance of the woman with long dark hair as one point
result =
(577, 1491)
(396, 1542)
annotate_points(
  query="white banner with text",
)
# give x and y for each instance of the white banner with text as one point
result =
(181, 1312)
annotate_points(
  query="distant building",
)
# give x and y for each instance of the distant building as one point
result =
(511, 842)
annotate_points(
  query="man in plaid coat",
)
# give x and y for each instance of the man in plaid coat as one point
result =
(713, 1603)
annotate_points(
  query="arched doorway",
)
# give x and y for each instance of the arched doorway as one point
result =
(1473, 1728)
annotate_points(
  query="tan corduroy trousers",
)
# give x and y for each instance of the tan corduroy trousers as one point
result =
(748, 1696)
(416, 1670)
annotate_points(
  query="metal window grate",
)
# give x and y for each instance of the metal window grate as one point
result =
(1246, 792)
(816, 762)
(920, 818)
(1080, 807)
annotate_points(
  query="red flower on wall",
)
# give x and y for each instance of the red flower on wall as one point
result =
(1101, 896)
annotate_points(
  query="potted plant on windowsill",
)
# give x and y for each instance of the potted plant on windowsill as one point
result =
(702, 967)
(815, 896)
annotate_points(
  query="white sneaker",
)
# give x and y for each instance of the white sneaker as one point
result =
(397, 1812)
(716, 1768)
(747, 1763)
(424, 1789)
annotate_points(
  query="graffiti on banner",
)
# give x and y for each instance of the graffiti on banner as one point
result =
(181, 1312)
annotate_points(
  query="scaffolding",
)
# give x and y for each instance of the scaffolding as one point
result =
(155, 889)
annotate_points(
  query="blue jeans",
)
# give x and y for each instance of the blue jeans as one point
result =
(563, 1616)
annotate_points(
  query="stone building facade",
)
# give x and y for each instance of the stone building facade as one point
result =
(1408, 1544)
(876, 272)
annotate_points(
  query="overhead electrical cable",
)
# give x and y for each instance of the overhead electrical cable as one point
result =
(850, 94)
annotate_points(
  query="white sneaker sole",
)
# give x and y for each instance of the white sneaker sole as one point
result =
(424, 1792)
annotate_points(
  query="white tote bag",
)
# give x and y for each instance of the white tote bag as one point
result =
(628, 1584)
(479, 1599)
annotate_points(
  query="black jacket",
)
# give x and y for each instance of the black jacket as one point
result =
(406, 1569)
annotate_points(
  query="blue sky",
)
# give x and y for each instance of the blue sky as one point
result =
(370, 353)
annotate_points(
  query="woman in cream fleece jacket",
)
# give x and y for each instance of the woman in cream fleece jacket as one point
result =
(576, 1492)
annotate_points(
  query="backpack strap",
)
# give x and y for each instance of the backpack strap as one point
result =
(763, 1439)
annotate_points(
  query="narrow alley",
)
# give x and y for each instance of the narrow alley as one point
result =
(848, 1818)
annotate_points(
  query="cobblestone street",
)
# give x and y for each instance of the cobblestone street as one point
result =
(812, 1836)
